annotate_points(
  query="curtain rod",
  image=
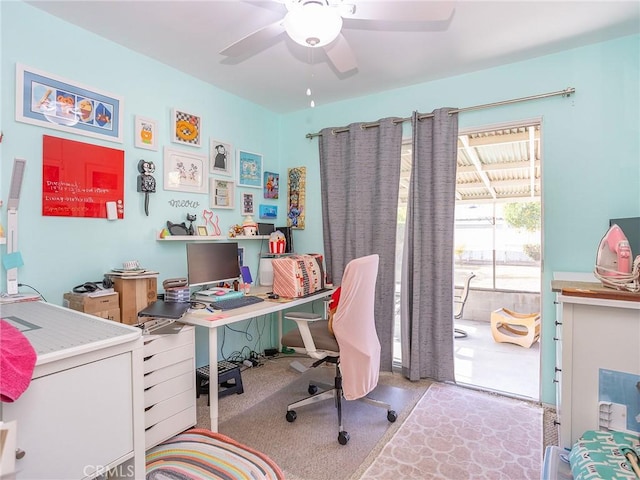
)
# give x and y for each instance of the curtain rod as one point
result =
(565, 93)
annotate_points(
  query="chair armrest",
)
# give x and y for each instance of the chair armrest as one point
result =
(303, 319)
(304, 316)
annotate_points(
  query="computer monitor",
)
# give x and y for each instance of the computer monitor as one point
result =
(631, 228)
(211, 263)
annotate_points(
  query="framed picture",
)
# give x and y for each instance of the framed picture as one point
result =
(220, 158)
(146, 133)
(184, 171)
(247, 204)
(271, 185)
(296, 197)
(268, 211)
(53, 102)
(221, 193)
(202, 231)
(249, 169)
(185, 128)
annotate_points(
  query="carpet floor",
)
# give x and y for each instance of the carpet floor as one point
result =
(308, 448)
(449, 432)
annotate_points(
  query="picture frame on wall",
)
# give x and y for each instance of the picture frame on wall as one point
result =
(146, 133)
(268, 211)
(247, 204)
(186, 128)
(220, 158)
(271, 188)
(249, 169)
(185, 171)
(221, 193)
(53, 102)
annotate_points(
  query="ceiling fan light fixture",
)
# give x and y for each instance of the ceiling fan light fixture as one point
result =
(313, 24)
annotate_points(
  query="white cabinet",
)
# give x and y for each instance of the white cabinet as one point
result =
(596, 333)
(169, 383)
(82, 413)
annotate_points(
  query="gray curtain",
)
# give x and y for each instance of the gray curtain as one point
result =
(427, 271)
(359, 177)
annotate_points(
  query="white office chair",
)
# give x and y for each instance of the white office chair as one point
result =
(458, 305)
(354, 347)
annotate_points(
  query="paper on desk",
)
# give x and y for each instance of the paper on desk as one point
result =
(218, 316)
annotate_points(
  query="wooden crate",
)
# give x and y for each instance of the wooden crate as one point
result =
(135, 295)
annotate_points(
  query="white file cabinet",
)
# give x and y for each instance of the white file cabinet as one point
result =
(597, 333)
(169, 383)
(81, 415)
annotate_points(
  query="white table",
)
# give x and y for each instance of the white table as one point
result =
(237, 315)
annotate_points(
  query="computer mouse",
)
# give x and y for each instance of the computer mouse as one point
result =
(220, 293)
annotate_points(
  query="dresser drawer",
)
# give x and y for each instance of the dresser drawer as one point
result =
(173, 425)
(163, 374)
(158, 343)
(167, 408)
(168, 357)
(169, 388)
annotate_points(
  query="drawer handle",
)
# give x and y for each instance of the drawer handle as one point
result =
(20, 453)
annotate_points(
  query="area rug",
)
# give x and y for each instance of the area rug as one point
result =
(456, 433)
(308, 448)
(197, 454)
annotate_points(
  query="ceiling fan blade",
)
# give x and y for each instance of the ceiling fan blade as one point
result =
(254, 41)
(341, 55)
(402, 11)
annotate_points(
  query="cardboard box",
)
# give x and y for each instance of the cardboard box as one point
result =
(105, 306)
(113, 314)
(135, 295)
(87, 304)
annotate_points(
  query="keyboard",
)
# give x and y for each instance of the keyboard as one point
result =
(231, 303)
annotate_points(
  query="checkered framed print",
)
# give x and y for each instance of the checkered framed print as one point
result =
(186, 128)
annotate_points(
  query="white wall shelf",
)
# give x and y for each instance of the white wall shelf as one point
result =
(208, 238)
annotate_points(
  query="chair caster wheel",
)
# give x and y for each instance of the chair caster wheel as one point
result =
(343, 438)
(313, 389)
(291, 416)
(392, 416)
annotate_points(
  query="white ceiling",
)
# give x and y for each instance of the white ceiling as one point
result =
(188, 35)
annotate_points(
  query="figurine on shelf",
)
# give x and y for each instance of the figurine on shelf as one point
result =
(191, 217)
(249, 227)
(177, 228)
(235, 231)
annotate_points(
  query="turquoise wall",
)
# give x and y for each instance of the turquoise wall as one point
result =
(590, 144)
(590, 141)
(59, 252)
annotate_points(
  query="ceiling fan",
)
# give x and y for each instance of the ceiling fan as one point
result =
(319, 23)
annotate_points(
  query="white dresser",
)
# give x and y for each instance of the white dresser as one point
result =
(599, 338)
(169, 383)
(82, 414)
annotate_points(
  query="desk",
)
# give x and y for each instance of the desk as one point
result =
(237, 315)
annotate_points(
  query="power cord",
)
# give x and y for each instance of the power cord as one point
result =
(32, 288)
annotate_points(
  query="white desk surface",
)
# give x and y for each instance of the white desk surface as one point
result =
(207, 319)
(212, 321)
